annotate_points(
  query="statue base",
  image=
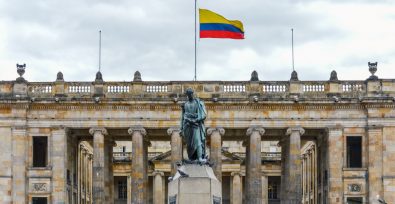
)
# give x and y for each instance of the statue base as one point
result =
(194, 184)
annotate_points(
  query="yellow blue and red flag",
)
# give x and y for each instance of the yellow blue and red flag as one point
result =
(213, 25)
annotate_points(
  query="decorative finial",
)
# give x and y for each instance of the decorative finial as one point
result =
(137, 76)
(99, 77)
(373, 70)
(294, 76)
(20, 69)
(333, 76)
(254, 76)
(59, 76)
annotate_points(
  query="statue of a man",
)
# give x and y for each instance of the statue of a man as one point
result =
(192, 127)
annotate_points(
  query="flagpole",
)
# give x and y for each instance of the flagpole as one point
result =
(293, 61)
(99, 50)
(195, 38)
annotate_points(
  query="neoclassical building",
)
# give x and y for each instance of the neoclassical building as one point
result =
(330, 141)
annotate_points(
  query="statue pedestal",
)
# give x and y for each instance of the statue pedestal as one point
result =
(198, 186)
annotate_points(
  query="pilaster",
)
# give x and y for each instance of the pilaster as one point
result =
(19, 183)
(215, 135)
(375, 151)
(334, 158)
(59, 168)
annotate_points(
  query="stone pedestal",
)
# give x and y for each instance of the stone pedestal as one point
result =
(198, 186)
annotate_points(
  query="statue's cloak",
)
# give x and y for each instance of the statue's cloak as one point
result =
(194, 134)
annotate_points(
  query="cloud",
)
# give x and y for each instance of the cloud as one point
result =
(156, 38)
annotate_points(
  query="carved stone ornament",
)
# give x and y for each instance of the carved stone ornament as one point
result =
(40, 187)
(294, 76)
(99, 77)
(354, 187)
(333, 77)
(137, 76)
(142, 131)
(373, 70)
(220, 130)
(254, 76)
(260, 130)
(293, 129)
(173, 129)
(20, 69)
(98, 129)
(59, 76)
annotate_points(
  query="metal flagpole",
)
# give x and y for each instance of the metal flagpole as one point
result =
(99, 50)
(195, 38)
(293, 61)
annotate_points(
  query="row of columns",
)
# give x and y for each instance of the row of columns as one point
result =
(102, 170)
(85, 159)
(309, 176)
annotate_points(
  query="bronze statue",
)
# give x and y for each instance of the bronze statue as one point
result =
(192, 127)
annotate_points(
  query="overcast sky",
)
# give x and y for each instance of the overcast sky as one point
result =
(156, 37)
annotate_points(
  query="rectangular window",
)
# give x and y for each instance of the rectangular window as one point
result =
(354, 152)
(39, 200)
(40, 150)
(122, 189)
(354, 200)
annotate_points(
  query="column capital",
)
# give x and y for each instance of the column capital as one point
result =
(295, 129)
(258, 129)
(98, 129)
(140, 129)
(173, 129)
(160, 173)
(236, 173)
(211, 130)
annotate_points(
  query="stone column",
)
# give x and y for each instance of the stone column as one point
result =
(139, 175)
(334, 162)
(98, 164)
(19, 141)
(215, 135)
(129, 189)
(294, 174)
(176, 148)
(303, 177)
(159, 188)
(265, 192)
(59, 164)
(109, 178)
(375, 149)
(254, 179)
(236, 193)
(284, 142)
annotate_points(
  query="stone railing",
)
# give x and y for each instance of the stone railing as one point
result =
(219, 90)
(121, 157)
(265, 156)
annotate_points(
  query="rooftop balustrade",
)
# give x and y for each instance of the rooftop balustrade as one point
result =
(216, 90)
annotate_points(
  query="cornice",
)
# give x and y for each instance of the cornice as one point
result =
(209, 106)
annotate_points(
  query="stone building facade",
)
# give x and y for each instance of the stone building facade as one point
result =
(270, 141)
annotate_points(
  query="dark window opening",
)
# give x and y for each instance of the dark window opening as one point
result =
(122, 189)
(354, 152)
(40, 149)
(272, 190)
(68, 177)
(354, 200)
(39, 200)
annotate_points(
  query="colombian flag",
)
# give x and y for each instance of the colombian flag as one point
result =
(213, 25)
